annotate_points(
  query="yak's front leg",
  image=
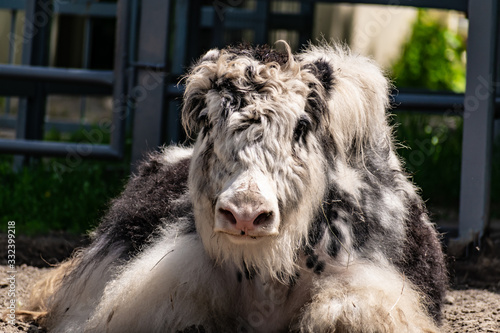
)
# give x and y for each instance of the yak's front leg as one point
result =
(364, 298)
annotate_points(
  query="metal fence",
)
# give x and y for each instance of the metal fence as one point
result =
(156, 40)
(33, 80)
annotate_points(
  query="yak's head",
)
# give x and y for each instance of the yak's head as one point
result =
(269, 128)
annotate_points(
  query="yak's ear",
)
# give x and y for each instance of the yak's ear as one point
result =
(198, 81)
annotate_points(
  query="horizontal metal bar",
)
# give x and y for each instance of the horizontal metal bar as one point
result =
(149, 65)
(234, 18)
(59, 74)
(92, 9)
(453, 103)
(27, 88)
(9, 121)
(58, 149)
(428, 100)
(88, 8)
(66, 126)
(459, 5)
(13, 4)
(288, 21)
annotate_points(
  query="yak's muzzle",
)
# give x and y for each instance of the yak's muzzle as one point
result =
(247, 208)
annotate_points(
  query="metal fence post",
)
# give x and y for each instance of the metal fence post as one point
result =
(149, 92)
(120, 85)
(479, 108)
(36, 38)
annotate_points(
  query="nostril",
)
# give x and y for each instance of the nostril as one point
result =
(228, 215)
(263, 218)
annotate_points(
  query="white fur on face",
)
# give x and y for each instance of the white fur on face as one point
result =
(253, 166)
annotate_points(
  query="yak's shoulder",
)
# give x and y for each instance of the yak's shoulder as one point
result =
(156, 195)
(171, 161)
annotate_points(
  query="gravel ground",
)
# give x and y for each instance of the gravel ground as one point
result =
(24, 278)
(472, 303)
(472, 310)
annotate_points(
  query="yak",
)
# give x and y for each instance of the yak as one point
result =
(290, 212)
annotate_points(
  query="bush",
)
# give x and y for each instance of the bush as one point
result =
(432, 59)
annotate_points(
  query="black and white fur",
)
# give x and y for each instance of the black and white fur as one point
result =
(290, 213)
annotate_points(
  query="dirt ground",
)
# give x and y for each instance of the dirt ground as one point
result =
(472, 303)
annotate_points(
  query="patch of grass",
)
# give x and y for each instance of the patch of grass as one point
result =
(52, 194)
(39, 199)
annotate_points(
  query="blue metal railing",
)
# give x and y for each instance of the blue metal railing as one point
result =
(28, 81)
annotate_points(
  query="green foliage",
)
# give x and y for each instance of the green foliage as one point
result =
(431, 149)
(68, 193)
(53, 135)
(432, 58)
(39, 199)
(92, 135)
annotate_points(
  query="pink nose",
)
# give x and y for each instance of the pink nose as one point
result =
(246, 218)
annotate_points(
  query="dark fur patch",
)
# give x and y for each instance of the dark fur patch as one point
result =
(320, 267)
(301, 129)
(377, 175)
(192, 107)
(324, 73)
(335, 241)
(247, 123)
(232, 99)
(424, 263)
(316, 230)
(316, 107)
(262, 53)
(249, 273)
(292, 281)
(329, 149)
(312, 260)
(134, 217)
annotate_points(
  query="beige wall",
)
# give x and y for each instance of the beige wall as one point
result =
(373, 30)
(5, 22)
(377, 31)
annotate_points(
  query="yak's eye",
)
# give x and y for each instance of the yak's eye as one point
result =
(302, 127)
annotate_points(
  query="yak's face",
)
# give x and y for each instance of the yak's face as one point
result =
(258, 171)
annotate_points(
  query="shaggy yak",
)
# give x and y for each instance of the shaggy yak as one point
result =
(291, 213)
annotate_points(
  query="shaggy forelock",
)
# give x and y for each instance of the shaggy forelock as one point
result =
(255, 81)
(259, 109)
